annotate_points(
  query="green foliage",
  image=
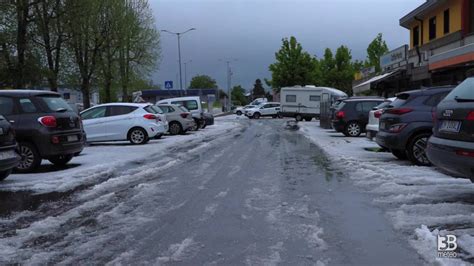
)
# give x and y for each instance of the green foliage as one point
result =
(238, 95)
(203, 82)
(376, 49)
(335, 71)
(258, 91)
(293, 65)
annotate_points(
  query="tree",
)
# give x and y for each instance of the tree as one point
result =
(203, 82)
(293, 65)
(337, 70)
(376, 49)
(258, 91)
(238, 95)
(85, 39)
(49, 26)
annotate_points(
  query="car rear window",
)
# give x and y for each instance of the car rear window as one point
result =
(464, 91)
(400, 100)
(340, 106)
(382, 105)
(183, 108)
(54, 103)
(153, 109)
(190, 105)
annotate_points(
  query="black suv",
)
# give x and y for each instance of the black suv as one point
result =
(407, 123)
(9, 158)
(352, 115)
(45, 125)
(452, 145)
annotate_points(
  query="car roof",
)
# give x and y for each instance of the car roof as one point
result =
(125, 104)
(429, 90)
(181, 99)
(23, 93)
(364, 99)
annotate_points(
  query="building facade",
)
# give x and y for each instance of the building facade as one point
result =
(440, 50)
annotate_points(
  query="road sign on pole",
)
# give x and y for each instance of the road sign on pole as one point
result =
(168, 84)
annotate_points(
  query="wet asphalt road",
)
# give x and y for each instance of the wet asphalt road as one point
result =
(261, 195)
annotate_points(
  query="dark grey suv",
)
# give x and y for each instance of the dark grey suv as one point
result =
(452, 145)
(46, 127)
(407, 123)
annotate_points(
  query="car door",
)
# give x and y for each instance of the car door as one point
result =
(119, 120)
(9, 109)
(94, 122)
(265, 109)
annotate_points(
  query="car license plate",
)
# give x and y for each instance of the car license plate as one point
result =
(450, 126)
(72, 138)
(5, 155)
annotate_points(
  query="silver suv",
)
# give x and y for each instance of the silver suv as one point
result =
(179, 118)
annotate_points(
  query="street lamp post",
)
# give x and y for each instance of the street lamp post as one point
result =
(178, 34)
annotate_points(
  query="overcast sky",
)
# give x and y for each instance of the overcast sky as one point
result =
(251, 32)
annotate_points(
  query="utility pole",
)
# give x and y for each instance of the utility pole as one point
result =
(185, 74)
(229, 82)
(178, 34)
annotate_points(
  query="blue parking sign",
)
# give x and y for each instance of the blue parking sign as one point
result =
(168, 84)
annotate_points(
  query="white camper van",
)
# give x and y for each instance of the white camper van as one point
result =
(303, 102)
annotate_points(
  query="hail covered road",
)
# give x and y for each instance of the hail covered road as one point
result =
(257, 195)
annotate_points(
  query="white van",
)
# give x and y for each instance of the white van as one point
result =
(192, 103)
(302, 102)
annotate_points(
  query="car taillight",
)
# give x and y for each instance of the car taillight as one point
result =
(184, 115)
(150, 117)
(470, 116)
(48, 121)
(340, 115)
(378, 113)
(399, 111)
(397, 128)
(465, 153)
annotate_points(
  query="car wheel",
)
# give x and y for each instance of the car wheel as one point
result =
(196, 125)
(30, 158)
(299, 118)
(60, 160)
(137, 136)
(400, 154)
(175, 128)
(256, 116)
(5, 174)
(353, 129)
(239, 113)
(416, 149)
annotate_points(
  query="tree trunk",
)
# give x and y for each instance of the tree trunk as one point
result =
(85, 89)
(22, 24)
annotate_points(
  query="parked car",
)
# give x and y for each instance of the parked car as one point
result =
(179, 118)
(265, 109)
(452, 145)
(352, 115)
(208, 120)
(372, 127)
(407, 123)
(46, 127)
(9, 157)
(241, 110)
(135, 122)
(193, 104)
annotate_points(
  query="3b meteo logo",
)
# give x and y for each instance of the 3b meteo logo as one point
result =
(447, 246)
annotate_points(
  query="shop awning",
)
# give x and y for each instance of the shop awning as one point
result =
(366, 85)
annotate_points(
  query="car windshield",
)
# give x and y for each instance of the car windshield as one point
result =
(463, 92)
(55, 103)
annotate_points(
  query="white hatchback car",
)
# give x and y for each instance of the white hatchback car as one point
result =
(372, 127)
(137, 123)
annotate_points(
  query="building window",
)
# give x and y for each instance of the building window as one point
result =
(446, 21)
(432, 27)
(290, 98)
(416, 36)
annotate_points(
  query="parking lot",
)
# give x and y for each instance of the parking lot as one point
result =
(311, 196)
